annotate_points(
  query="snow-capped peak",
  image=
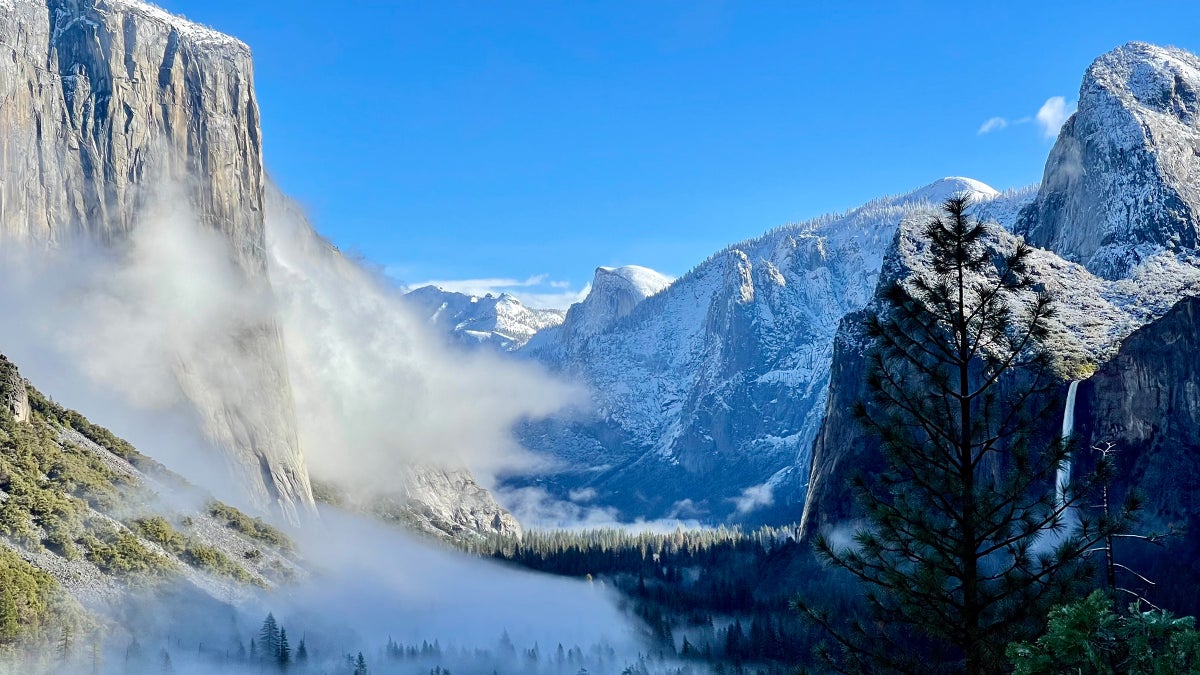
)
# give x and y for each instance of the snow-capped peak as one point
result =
(499, 321)
(645, 281)
(951, 186)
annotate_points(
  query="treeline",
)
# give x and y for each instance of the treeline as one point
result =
(719, 595)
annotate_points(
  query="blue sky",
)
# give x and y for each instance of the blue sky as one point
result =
(521, 144)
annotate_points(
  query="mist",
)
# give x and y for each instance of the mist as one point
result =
(146, 335)
(376, 388)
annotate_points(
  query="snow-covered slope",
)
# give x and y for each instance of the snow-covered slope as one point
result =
(1122, 183)
(498, 321)
(1119, 198)
(615, 291)
(707, 395)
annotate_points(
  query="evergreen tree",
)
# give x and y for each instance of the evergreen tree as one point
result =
(66, 641)
(253, 650)
(1089, 637)
(268, 639)
(164, 661)
(360, 665)
(301, 653)
(966, 543)
(10, 620)
(284, 653)
(97, 660)
(133, 653)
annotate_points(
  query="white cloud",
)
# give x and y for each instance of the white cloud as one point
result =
(1053, 113)
(537, 291)
(992, 124)
(1050, 118)
(754, 497)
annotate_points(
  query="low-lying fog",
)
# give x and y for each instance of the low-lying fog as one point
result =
(142, 335)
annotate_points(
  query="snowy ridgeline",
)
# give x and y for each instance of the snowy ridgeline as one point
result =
(707, 391)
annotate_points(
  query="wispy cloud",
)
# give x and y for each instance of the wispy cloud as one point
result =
(538, 291)
(755, 497)
(1050, 118)
(992, 124)
(1053, 113)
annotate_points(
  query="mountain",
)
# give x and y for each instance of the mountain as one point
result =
(1120, 184)
(113, 107)
(1116, 221)
(707, 394)
(498, 321)
(88, 519)
(133, 152)
(613, 294)
(1142, 406)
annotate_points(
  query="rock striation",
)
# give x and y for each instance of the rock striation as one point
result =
(111, 106)
(707, 395)
(1116, 215)
(1122, 183)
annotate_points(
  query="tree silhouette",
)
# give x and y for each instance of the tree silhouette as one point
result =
(268, 639)
(966, 544)
(284, 653)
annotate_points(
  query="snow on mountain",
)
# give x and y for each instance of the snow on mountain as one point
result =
(1116, 218)
(714, 387)
(498, 321)
(615, 291)
(1131, 149)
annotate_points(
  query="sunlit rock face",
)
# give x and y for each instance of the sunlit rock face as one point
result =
(707, 392)
(111, 106)
(1116, 220)
(1122, 183)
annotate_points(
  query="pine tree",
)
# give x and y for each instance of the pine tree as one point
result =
(10, 620)
(360, 665)
(268, 639)
(165, 666)
(301, 652)
(133, 653)
(66, 641)
(284, 653)
(966, 544)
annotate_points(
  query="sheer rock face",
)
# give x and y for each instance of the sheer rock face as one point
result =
(1146, 402)
(100, 97)
(104, 104)
(13, 396)
(1123, 180)
(1117, 216)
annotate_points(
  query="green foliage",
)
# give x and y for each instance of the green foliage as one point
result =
(93, 432)
(120, 552)
(193, 552)
(213, 560)
(159, 531)
(26, 598)
(254, 528)
(1088, 637)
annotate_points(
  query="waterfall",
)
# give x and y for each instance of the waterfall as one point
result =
(1068, 428)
